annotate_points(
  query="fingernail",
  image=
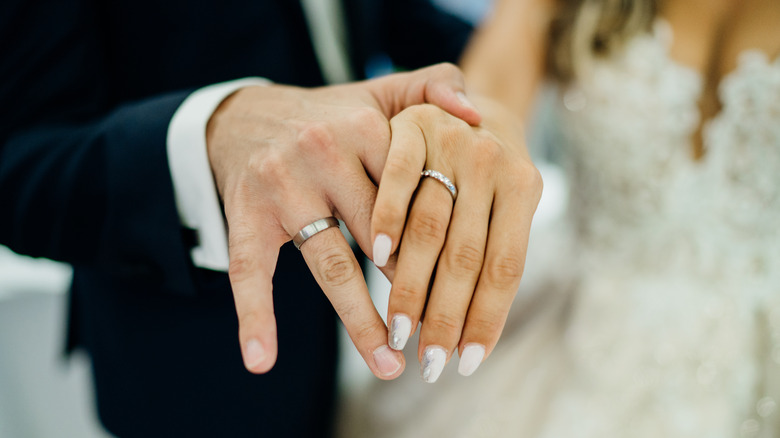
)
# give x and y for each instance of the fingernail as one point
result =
(254, 353)
(386, 361)
(471, 359)
(400, 329)
(382, 246)
(465, 100)
(433, 362)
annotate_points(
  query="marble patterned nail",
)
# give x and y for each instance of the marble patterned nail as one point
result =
(433, 361)
(400, 330)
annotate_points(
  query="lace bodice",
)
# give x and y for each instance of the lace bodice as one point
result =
(680, 258)
(628, 129)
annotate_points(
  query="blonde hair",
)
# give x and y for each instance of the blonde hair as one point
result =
(585, 29)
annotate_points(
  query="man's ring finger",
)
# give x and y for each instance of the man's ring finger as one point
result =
(314, 228)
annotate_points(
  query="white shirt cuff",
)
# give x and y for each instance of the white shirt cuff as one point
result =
(193, 183)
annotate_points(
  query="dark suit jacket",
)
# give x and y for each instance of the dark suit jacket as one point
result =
(87, 90)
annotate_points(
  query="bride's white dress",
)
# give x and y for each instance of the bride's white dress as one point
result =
(659, 314)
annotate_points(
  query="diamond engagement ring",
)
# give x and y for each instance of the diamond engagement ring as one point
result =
(438, 176)
(314, 228)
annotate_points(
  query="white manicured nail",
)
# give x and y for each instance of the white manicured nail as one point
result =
(433, 362)
(400, 329)
(254, 354)
(471, 359)
(382, 246)
(385, 360)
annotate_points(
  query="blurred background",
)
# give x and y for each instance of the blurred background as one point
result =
(42, 393)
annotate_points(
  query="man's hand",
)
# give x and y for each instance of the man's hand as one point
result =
(284, 157)
(475, 244)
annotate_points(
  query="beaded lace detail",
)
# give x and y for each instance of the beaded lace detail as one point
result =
(676, 327)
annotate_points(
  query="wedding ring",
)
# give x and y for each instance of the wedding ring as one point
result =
(438, 176)
(314, 228)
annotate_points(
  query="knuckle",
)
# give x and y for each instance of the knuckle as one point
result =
(504, 271)
(443, 323)
(316, 137)
(490, 324)
(535, 181)
(372, 123)
(466, 259)
(405, 293)
(367, 331)
(241, 263)
(239, 267)
(420, 112)
(528, 178)
(269, 166)
(336, 269)
(449, 69)
(401, 166)
(426, 228)
(387, 217)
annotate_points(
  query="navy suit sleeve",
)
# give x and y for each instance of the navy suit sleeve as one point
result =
(82, 179)
(413, 33)
(419, 34)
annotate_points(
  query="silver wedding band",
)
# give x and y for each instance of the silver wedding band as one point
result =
(314, 228)
(438, 176)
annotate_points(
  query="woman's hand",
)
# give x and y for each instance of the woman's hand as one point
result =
(468, 252)
(284, 157)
